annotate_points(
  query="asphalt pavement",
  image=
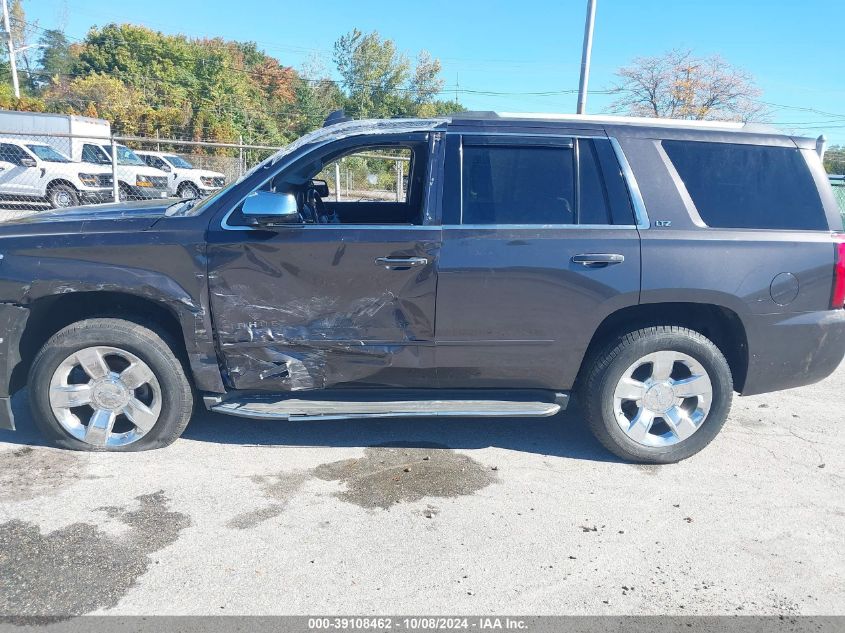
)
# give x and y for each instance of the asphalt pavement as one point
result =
(434, 516)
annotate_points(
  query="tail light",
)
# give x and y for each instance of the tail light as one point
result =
(838, 299)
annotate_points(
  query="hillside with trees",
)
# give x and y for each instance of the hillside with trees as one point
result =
(149, 83)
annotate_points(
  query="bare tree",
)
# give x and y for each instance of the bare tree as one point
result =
(679, 85)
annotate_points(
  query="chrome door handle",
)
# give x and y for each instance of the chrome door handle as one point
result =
(401, 262)
(598, 260)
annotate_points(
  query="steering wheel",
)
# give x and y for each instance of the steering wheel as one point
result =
(316, 208)
(313, 207)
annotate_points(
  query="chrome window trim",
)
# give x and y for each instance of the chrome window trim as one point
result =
(392, 227)
(613, 227)
(640, 212)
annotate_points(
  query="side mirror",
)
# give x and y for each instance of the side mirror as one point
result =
(321, 187)
(28, 162)
(165, 167)
(267, 208)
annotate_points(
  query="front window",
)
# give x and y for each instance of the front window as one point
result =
(125, 156)
(93, 154)
(375, 175)
(179, 162)
(47, 153)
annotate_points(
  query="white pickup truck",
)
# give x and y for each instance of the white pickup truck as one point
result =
(30, 170)
(185, 181)
(136, 180)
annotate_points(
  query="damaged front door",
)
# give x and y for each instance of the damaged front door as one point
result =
(315, 305)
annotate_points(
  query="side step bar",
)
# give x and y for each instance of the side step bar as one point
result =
(295, 409)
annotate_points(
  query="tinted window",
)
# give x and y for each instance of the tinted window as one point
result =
(518, 185)
(593, 205)
(748, 186)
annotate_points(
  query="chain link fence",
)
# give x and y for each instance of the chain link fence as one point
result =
(40, 172)
(838, 184)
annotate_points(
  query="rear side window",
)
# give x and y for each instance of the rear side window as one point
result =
(748, 186)
(518, 185)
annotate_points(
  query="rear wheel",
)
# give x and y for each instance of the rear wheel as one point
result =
(63, 197)
(109, 385)
(658, 395)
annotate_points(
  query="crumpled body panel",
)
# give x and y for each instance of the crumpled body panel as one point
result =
(307, 307)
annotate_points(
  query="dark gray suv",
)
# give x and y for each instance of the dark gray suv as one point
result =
(479, 265)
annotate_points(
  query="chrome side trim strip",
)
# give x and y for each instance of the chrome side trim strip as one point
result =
(612, 227)
(529, 411)
(633, 188)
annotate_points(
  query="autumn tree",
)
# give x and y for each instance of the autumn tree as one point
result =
(681, 85)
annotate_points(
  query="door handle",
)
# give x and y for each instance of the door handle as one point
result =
(598, 260)
(401, 262)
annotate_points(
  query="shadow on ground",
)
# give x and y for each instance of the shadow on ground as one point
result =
(564, 435)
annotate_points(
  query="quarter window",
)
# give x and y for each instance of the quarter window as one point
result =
(748, 186)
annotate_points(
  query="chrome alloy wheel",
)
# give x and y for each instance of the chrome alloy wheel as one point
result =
(662, 399)
(105, 396)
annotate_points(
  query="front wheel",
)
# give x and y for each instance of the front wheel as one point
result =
(63, 197)
(109, 385)
(658, 395)
(189, 191)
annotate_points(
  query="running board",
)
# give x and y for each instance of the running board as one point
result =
(294, 409)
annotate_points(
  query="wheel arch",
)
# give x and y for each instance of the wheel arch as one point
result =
(59, 181)
(51, 313)
(720, 324)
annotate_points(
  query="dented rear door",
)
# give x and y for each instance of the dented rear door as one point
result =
(317, 306)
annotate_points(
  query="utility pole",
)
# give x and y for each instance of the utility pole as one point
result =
(585, 56)
(13, 63)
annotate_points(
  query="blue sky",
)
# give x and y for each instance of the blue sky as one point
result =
(795, 50)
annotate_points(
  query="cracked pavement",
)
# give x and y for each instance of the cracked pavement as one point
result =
(432, 516)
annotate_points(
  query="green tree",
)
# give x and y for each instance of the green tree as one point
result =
(373, 73)
(56, 57)
(834, 159)
(379, 81)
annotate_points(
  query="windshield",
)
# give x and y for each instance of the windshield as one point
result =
(125, 156)
(47, 153)
(178, 161)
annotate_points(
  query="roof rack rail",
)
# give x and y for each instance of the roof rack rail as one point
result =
(608, 119)
(474, 115)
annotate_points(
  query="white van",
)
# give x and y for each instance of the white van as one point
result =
(186, 181)
(32, 170)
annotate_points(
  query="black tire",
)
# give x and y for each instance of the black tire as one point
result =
(187, 190)
(124, 193)
(605, 369)
(176, 393)
(63, 196)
